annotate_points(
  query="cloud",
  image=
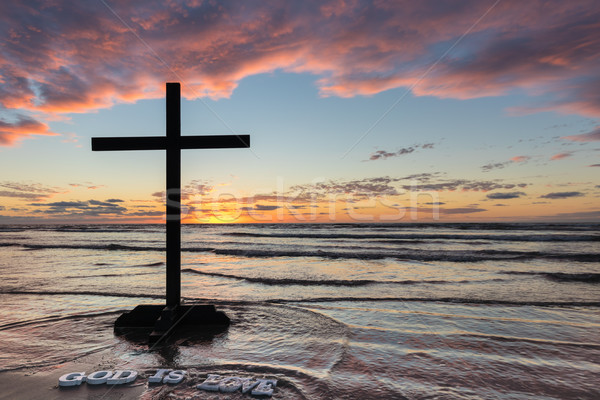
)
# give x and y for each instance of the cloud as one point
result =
(561, 195)
(491, 166)
(13, 132)
(594, 165)
(585, 216)
(505, 196)
(88, 208)
(65, 57)
(261, 207)
(464, 210)
(520, 159)
(561, 156)
(585, 137)
(115, 201)
(516, 159)
(28, 191)
(382, 154)
(87, 185)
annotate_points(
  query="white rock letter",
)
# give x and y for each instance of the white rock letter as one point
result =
(158, 376)
(98, 377)
(265, 387)
(248, 384)
(122, 376)
(211, 383)
(174, 377)
(72, 379)
(230, 384)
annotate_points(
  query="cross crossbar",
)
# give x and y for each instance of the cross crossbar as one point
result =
(160, 142)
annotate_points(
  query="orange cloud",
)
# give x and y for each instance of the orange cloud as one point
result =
(520, 158)
(13, 132)
(561, 156)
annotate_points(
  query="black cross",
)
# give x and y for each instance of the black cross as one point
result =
(173, 142)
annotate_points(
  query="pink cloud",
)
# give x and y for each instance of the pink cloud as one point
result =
(520, 158)
(561, 156)
(585, 137)
(63, 57)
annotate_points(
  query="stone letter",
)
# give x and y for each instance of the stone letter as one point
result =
(211, 383)
(158, 376)
(122, 376)
(230, 384)
(98, 377)
(265, 387)
(72, 379)
(174, 377)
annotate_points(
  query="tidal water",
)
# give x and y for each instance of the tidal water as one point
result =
(333, 311)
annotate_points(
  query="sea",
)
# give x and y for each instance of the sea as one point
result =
(332, 311)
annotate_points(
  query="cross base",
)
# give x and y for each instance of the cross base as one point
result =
(162, 321)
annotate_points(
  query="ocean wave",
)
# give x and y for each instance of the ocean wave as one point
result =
(504, 338)
(458, 300)
(314, 282)
(81, 293)
(54, 318)
(587, 277)
(420, 236)
(88, 276)
(407, 254)
(412, 255)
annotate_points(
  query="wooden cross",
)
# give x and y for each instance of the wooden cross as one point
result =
(173, 143)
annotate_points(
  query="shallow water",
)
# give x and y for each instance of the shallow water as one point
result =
(450, 311)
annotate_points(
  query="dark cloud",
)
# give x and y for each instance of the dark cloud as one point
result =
(561, 195)
(489, 167)
(515, 159)
(382, 154)
(388, 186)
(145, 213)
(505, 196)
(28, 191)
(462, 184)
(115, 201)
(261, 207)
(90, 208)
(449, 211)
(594, 165)
(585, 216)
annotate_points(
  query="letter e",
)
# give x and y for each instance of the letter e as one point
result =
(265, 387)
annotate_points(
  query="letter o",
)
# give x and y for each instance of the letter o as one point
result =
(98, 377)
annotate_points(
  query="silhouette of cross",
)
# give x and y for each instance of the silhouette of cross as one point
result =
(173, 143)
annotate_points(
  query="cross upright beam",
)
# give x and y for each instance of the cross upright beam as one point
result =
(173, 143)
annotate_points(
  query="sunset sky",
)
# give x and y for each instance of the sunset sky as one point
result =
(358, 111)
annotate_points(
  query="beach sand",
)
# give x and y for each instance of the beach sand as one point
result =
(42, 383)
